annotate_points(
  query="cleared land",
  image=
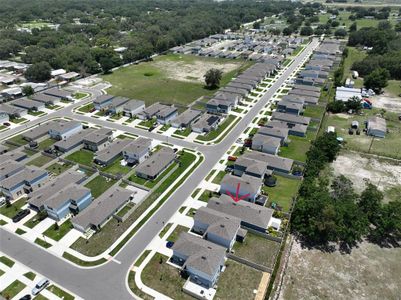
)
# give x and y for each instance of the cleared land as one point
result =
(369, 272)
(386, 174)
(170, 78)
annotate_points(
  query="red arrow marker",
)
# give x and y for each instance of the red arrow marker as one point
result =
(237, 198)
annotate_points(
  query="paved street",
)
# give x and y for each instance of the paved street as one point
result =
(109, 281)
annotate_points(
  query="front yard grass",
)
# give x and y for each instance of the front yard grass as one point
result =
(19, 140)
(40, 161)
(13, 289)
(37, 113)
(296, 149)
(10, 211)
(237, 282)
(257, 249)
(282, 193)
(99, 185)
(86, 108)
(42, 243)
(164, 278)
(7, 261)
(83, 157)
(141, 258)
(185, 132)
(215, 133)
(79, 95)
(30, 275)
(138, 292)
(18, 120)
(173, 237)
(58, 234)
(60, 293)
(219, 177)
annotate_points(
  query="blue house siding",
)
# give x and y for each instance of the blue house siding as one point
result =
(58, 213)
(84, 202)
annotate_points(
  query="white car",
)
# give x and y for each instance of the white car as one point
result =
(2, 201)
(40, 286)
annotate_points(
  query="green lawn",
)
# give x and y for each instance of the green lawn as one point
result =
(79, 95)
(219, 177)
(313, 111)
(83, 157)
(125, 209)
(29, 152)
(46, 144)
(282, 193)
(116, 168)
(13, 289)
(42, 243)
(57, 234)
(8, 262)
(19, 231)
(164, 278)
(389, 146)
(257, 249)
(173, 237)
(237, 282)
(165, 229)
(296, 149)
(40, 161)
(37, 113)
(86, 108)
(13, 209)
(139, 261)
(60, 293)
(99, 185)
(40, 297)
(18, 121)
(148, 123)
(30, 275)
(152, 82)
(354, 55)
(151, 183)
(215, 133)
(83, 263)
(393, 88)
(58, 168)
(19, 140)
(185, 132)
(135, 289)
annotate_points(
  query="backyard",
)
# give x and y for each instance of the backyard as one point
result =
(40, 161)
(58, 168)
(170, 78)
(116, 168)
(282, 193)
(83, 157)
(296, 149)
(99, 185)
(257, 249)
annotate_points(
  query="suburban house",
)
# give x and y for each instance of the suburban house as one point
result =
(303, 92)
(217, 227)
(38, 197)
(30, 105)
(101, 209)
(290, 107)
(185, 119)
(155, 164)
(98, 139)
(251, 167)
(218, 106)
(64, 130)
(133, 107)
(73, 141)
(252, 216)
(304, 100)
(376, 127)
(200, 259)
(70, 199)
(13, 112)
(112, 152)
(9, 168)
(293, 129)
(137, 151)
(40, 131)
(4, 117)
(14, 155)
(23, 182)
(249, 186)
(274, 162)
(290, 118)
(266, 144)
(102, 101)
(206, 123)
(117, 105)
(56, 92)
(166, 114)
(46, 99)
(307, 88)
(151, 111)
(277, 132)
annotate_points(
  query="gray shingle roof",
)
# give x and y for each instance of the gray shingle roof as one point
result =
(26, 175)
(187, 117)
(70, 192)
(273, 161)
(157, 162)
(248, 183)
(290, 118)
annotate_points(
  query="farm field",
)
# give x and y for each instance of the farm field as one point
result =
(170, 78)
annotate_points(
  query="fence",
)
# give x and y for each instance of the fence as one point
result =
(249, 263)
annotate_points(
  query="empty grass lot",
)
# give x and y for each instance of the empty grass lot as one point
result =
(112, 230)
(58, 234)
(58, 168)
(10, 211)
(296, 149)
(99, 185)
(13, 289)
(282, 193)
(257, 249)
(237, 282)
(40, 161)
(164, 278)
(389, 146)
(153, 81)
(354, 55)
(83, 157)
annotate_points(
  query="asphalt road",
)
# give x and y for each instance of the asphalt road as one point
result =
(109, 280)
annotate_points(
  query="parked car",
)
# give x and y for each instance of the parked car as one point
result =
(2, 201)
(26, 297)
(7, 124)
(40, 286)
(232, 158)
(169, 244)
(20, 215)
(92, 110)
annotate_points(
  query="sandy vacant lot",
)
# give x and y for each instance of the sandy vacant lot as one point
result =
(386, 174)
(192, 72)
(387, 102)
(369, 272)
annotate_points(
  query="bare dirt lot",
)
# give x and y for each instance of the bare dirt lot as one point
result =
(387, 102)
(193, 72)
(386, 174)
(369, 272)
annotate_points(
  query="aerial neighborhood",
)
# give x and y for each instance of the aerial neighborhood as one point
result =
(199, 150)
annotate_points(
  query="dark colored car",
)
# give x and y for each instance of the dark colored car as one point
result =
(7, 124)
(20, 215)
(26, 297)
(151, 128)
(169, 244)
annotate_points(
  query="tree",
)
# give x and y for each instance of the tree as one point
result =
(354, 103)
(56, 226)
(256, 25)
(336, 107)
(28, 90)
(370, 202)
(340, 32)
(377, 80)
(38, 72)
(306, 31)
(106, 63)
(353, 27)
(212, 78)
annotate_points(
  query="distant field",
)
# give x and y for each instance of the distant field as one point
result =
(171, 78)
